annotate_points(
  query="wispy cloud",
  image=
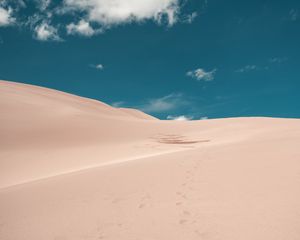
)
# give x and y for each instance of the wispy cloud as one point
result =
(268, 64)
(118, 104)
(278, 59)
(164, 104)
(43, 4)
(294, 14)
(180, 118)
(201, 74)
(247, 68)
(184, 118)
(174, 106)
(190, 17)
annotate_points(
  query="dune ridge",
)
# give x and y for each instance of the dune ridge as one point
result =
(75, 168)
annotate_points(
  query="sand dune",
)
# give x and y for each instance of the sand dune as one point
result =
(75, 168)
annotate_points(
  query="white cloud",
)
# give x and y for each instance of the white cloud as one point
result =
(98, 66)
(247, 68)
(163, 104)
(179, 118)
(6, 16)
(114, 12)
(88, 17)
(82, 28)
(201, 74)
(45, 32)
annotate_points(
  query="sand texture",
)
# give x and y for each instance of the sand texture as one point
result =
(73, 168)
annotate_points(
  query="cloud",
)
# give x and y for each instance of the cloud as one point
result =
(163, 104)
(43, 4)
(118, 104)
(278, 60)
(18, 3)
(247, 68)
(115, 12)
(183, 118)
(98, 66)
(82, 28)
(294, 14)
(201, 74)
(6, 16)
(191, 17)
(88, 17)
(46, 32)
(271, 61)
(179, 118)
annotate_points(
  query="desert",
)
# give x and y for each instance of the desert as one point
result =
(75, 168)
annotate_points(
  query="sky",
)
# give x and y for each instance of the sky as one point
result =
(182, 60)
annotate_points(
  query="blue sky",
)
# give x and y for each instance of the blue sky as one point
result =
(170, 58)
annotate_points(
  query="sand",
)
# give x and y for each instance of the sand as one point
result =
(75, 168)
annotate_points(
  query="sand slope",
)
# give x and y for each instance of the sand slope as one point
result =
(75, 168)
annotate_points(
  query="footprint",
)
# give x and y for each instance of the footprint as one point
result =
(147, 196)
(202, 234)
(182, 221)
(141, 205)
(181, 194)
(186, 212)
(116, 200)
